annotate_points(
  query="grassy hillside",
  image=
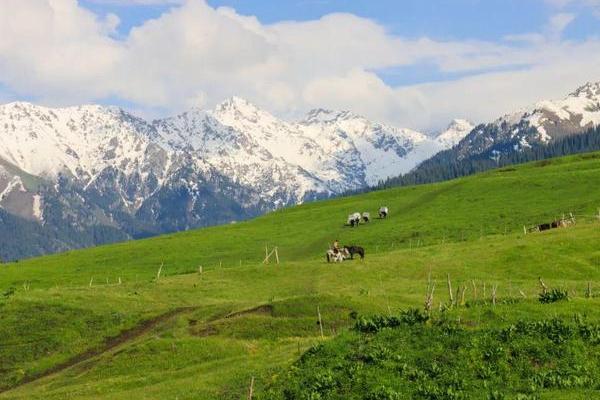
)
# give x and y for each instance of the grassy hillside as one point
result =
(101, 324)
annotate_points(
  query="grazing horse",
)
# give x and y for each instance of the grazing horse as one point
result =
(334, 257)
(354, 219)
(355, 250)
(383, 212)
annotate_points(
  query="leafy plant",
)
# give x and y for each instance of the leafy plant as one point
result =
(553, 296)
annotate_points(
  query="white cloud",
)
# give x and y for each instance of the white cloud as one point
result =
(195, 55)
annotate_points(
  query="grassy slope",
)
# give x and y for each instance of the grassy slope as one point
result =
(470, 228)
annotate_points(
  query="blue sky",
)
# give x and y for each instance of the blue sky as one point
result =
(414, 63)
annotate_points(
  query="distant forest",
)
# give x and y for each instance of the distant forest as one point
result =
(445, 166)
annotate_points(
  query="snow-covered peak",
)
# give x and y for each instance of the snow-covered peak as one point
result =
(455, 132)
(237, 107)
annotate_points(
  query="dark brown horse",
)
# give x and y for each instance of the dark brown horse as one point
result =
(352, 250)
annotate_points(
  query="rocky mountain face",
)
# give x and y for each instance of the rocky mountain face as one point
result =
(80, 176)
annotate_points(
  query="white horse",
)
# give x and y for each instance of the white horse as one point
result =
(354, 219)
(383, 212)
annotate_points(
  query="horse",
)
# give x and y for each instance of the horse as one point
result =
(383, 212)
(334, 257)
(355, 250)
(354, 219)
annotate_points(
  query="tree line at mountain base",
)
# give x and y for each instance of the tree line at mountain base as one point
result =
(445, 166)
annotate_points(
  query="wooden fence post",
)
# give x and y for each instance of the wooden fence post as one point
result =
(159, 271)
(251, 391)
(588, 292)
(320, 321)
(543, 285)
(450, 290)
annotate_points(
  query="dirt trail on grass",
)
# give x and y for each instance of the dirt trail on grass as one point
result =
(109, 344)
(128, 335)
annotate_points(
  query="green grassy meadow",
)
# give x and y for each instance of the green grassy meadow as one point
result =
(99, 324)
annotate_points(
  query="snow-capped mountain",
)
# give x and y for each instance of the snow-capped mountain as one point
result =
(92, 174)
(327, 152)
(546, 129)
(537, 125)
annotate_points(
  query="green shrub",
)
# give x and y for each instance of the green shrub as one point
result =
(553, 296)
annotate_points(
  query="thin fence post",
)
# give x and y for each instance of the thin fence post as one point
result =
(251, 390)
(159, 271)
(429, 298)
(320, 321)
(588, 292)
(543, 285)
(91, 281)
(277, 255)
(450, 290)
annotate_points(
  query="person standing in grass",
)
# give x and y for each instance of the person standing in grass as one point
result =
(336, 246)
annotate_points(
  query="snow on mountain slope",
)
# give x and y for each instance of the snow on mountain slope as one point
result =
(83, 142)
(536, 125)
(454, 133)
(327, 152)
(553, 119)
(370, 151)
